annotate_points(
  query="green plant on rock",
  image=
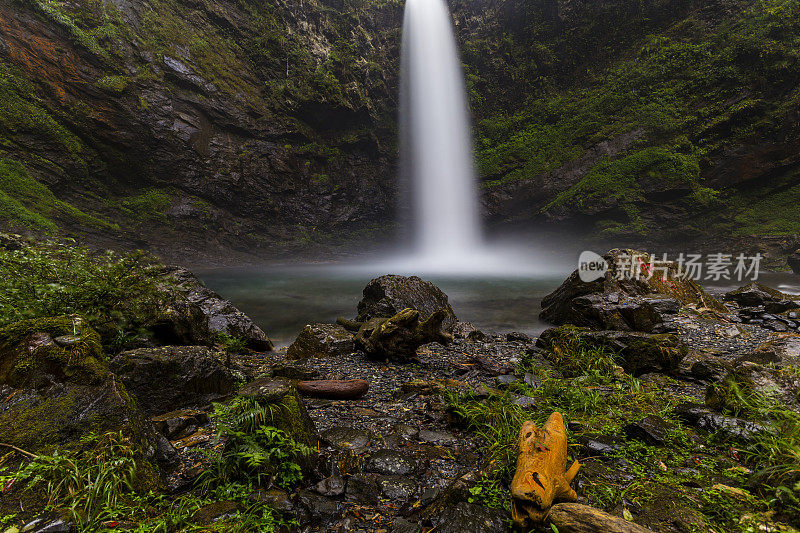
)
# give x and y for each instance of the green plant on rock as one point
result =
(254, 450)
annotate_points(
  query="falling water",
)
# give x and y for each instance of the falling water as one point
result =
(436, 142)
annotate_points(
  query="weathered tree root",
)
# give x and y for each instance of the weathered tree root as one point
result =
(541, 479)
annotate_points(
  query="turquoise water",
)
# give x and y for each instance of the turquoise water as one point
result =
(281, 300)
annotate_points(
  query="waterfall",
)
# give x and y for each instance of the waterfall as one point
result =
(436, 146)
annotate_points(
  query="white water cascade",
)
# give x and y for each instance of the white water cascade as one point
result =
(436, 147)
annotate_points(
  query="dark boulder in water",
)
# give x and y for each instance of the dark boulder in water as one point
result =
(388, 295)
(644, 299)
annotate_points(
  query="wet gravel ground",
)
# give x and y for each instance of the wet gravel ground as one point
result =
(395, 447)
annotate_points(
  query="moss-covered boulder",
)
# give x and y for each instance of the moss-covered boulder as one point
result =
(636, 293)
(317, 340)
(57, 388)
(639, 353)
(38, 352)
(290, 414)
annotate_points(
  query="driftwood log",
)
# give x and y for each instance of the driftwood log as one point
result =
(578, 518)
(334, 389)
(399, 336)
(541, 477)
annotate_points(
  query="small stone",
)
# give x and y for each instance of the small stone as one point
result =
(524, 401)
(267, 389)
(441, 438)
(397, 488)
(390, 462)
(331, 486)
(67, 340)
(294, 372)
(215, 511)
(651, 430)
(275, 498)
(346, 438)
(516, 336)
(401, 525)
(505, 380)
(405, 431)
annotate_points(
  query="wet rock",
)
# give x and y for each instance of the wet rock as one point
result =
(599, 445)
(401, 525)
(388, 295)
(579, 518)
(640, 352)
(266, 389)
(320, 510)
(48, 524)
(291, 415)
(216, 314)
(785, 349)
(706, 419)
(170, 377)
(396, 488)
(212, 512)
(178, 424)
(318, 340)
(330, 486)
(345, 438)
(516, 336)
(362, 488)
(350, 389)
(651, 430)
(624, 303)
(710, 369)
(770, 382)
(440, 438)
(525, 402)
(390, 462)
(275, 498)
(465, 330)
(505, 381)
(793, 260)
(294, 372)
(474, 518)
(754, 294)
(55, 394)
(406, 432)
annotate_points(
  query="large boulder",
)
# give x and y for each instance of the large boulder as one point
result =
(172, 377)
(57, 388)
(639, 353)
(621, 301)
(320, 340)
(757, 294)
(388, 295)
(198, 313)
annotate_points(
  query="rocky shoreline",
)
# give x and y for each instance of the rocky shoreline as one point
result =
(659, 384)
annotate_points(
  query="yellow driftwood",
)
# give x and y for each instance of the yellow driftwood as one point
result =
(541, 478)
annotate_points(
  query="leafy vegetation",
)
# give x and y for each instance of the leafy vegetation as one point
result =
(116, 292)
(599, 400)
(680, 96)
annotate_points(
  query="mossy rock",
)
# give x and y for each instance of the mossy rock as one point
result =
(291, 416)
(38, 352)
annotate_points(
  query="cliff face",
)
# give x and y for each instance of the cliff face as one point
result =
(219, 125)
(669, 119)
(198, 124)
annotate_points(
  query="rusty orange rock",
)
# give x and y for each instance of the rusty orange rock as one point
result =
(541, 477)
(334, 389)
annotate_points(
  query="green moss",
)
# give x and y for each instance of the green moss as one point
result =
(113, 84)
(83, 362)
(28, 203)
(21, 111)
(151, 204)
